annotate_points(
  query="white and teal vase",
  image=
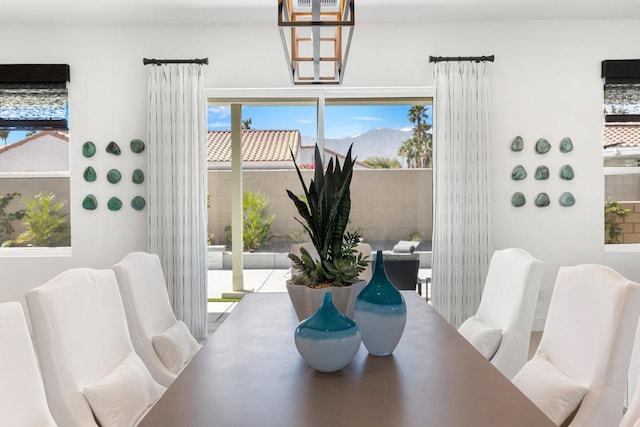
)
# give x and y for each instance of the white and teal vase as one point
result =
(381, 312)
(328, 339)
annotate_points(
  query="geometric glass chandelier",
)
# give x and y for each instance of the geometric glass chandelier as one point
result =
(316, 36)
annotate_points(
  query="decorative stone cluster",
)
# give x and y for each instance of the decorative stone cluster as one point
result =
(519, 173)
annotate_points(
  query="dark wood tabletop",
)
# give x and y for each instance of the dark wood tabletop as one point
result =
(249, 373)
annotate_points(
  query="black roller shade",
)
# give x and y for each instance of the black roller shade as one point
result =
(621, 70)
(34, 73)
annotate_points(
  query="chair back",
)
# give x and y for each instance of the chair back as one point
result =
(147, 307)
(588, 336)
(81, 334)
(22, 397)
(508, 303)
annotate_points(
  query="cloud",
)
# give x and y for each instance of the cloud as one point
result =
(218, 125)
(368, 118)
(219, 112)
(305, 121)
(406, 129)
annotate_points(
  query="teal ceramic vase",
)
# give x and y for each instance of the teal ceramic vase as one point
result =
(328, 339)
(381, 312)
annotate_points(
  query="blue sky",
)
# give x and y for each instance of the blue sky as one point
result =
(341, 121)
(14, 136)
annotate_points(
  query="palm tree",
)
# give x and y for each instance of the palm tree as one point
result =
(4, 134)
(417, 150)
(246, 124)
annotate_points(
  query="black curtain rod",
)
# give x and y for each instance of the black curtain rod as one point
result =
(202, 61)
(490, 58)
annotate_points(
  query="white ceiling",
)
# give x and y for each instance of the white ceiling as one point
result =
(207, 11)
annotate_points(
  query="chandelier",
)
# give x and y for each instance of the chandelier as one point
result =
(316, 35)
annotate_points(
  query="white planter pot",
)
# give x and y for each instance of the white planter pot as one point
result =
(306, 301)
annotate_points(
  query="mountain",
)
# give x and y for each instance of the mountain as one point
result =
(382, 142)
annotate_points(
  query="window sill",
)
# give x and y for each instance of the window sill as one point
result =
(622, 247)
(35, 252)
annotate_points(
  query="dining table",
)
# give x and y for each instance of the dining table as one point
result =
(249, 373)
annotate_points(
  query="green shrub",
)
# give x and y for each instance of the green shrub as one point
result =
(7, 218)
(256, 224)
(613, 214)
(46, 225)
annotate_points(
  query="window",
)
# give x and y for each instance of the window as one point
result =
(34, 156)
(621, 151)
(391, 137)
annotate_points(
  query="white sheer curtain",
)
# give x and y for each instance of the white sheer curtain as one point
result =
(462, 235)
(177, 178)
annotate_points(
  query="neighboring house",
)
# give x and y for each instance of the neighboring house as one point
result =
(621, 144)
(46, 151)
(264, 149)
(261, 149)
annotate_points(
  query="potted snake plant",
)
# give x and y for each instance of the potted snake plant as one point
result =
(335, 258)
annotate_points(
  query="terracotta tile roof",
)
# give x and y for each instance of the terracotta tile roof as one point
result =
(257, 145)
(623, 134)
(60, 135)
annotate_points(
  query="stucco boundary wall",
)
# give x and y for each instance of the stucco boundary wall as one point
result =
(386, 204)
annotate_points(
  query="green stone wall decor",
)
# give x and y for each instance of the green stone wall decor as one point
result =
(566, 145)
(542, 146)
(567, 200)
(138, 176)
(88, 149)
(517, 144)
(519, 173)
(542, 200)
(114, 204)
(113, 148)
(90, 203)
(137, 203)
(542, 172)
(90, 174)
(137, 146)
(566, 172)
(114, 176)
(518, 199)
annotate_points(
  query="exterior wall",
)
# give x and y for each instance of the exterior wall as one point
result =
(631, 225)
(622, 187)
(386, 204)
(46, 153)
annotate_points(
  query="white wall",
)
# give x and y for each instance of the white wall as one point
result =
(545, 83)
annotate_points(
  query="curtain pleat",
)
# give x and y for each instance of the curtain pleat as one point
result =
(177, 178)
(462, 235)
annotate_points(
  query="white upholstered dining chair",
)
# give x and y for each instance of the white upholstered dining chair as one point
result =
(90, 369)
(631, 418)
(22, 397)
(163, 343)
(579, 371)
(501, 327)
